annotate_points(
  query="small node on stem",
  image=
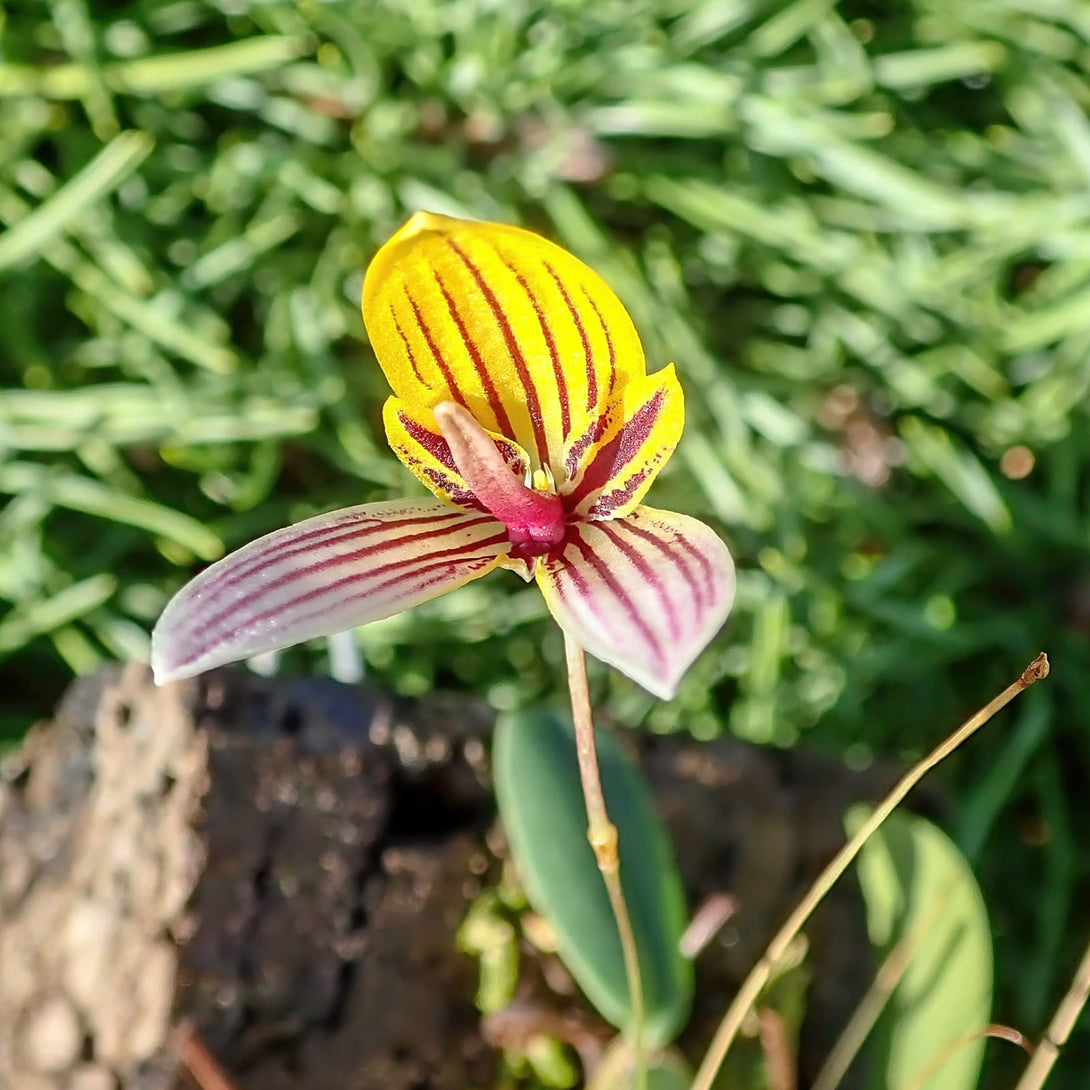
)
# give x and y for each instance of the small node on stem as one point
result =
(1047, 1052)
(602, 834)
(603, 839)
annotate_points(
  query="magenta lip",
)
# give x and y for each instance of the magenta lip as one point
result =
(535, 520)
(538, 531)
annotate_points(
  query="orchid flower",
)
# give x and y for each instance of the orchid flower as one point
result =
(521, 401)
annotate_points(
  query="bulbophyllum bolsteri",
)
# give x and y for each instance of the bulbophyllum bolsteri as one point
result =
(521, 401)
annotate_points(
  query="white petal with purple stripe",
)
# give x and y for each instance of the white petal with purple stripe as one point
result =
(645, 593)
(324, 575)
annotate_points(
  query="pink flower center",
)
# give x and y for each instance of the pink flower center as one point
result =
(534, 519)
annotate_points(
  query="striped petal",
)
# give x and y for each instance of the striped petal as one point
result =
(644, 594)
(321, 576)
(610, 466)
(415, 438)
(499, 320)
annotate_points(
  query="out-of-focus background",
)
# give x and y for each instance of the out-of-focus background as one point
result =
(861, 230)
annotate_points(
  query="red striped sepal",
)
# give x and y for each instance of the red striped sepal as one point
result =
(645, 593)
(416, 439)
(529, 339)
(614, 462)
(321, 576)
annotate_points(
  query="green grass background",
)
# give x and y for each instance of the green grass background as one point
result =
(861, 229)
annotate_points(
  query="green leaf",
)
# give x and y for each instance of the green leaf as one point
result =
(921, 897)
(24, 623)
(155, 75)
(959, 469)
(95, 498)
(101, 176)
(545, 819)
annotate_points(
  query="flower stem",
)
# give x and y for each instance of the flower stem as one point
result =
(761, 972)
(602, 834)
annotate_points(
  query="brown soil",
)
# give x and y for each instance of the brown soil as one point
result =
(268, 876)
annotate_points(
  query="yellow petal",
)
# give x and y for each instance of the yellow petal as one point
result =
(416, 439)
(498, 319)
(610, 467)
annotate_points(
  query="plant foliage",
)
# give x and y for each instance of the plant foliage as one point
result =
(860, 229)
(927, 922)
(536, 774)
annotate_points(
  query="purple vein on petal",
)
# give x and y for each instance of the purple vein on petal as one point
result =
(577, 321)
(203, 624)
(488, 383)
(622, 596)
(442, 560)
(572, 586)
(612, 458)
(648, 573)
(533, 404)
(441, 363)
(609, 344)
(319, 537)
(550, 343)
(408, 349)
(702, 592)
(419, 578)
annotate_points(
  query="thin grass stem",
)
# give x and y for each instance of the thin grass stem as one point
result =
(866, 1014)
(761, 972)
(1059, 1029)
(602, 834)
(996, 1032)
(202, 1066)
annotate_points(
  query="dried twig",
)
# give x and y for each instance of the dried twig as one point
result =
(200, 1063)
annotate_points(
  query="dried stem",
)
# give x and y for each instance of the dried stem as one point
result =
(1059, 1029)
(776, 1045)
(602, 834)
(200, 1063)
(762, 971)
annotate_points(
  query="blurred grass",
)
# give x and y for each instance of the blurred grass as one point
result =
(861, 229)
